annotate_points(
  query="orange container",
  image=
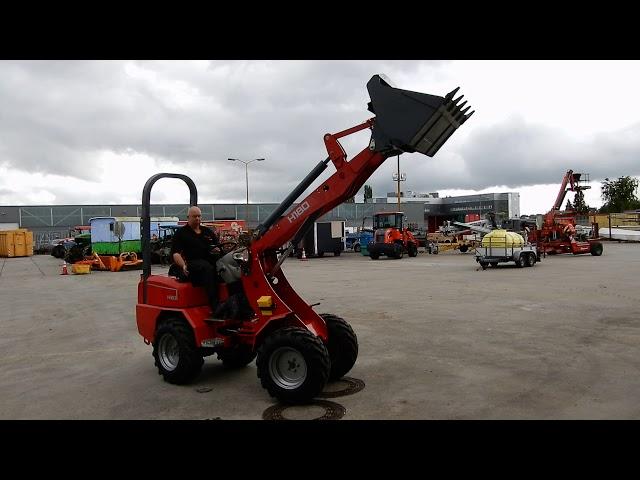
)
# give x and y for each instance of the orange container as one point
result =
(16, 243)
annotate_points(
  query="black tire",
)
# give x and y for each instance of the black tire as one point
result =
(374, 256)
(399, 250)
(493, 264)
(596, 249)
(175, 352)
(293, 365)
(320, 254)
(336, 253)
(58, 251)
(483, 265)
(74, 254)
(412, 250)
(463, 248)
(519, 262)
(342, 345)
(356, 247)
(237, 357)
(529, 260)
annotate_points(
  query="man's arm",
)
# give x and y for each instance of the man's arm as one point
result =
(177, 246)
(178, 260)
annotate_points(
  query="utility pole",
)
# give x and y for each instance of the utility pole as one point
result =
(399, 178)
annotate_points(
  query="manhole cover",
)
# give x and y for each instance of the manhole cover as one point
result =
(310, 411)
(342, 387)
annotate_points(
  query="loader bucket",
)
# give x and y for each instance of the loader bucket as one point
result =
(409, 121)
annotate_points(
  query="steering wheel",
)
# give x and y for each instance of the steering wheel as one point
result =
(222, 247)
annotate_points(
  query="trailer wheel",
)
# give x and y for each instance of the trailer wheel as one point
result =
(463, 248)
(342, 345)
(596, 249)
(493, 264)
(412, 250)
(293, 365)
(374, 255)
(519, 262)
(528, 260)
(175, 352)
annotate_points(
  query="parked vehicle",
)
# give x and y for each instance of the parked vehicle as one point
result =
(391, 237)
(501, 246)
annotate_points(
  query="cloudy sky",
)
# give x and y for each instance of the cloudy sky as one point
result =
(92, 132)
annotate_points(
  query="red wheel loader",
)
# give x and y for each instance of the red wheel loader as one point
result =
(391, 237)
(297, 350)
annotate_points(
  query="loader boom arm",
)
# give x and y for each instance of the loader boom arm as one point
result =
(404, 121)
(567, 179)
(344, 183)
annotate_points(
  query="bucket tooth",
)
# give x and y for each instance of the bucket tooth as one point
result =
(452, 93)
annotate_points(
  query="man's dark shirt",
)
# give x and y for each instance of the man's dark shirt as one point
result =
(193, 246)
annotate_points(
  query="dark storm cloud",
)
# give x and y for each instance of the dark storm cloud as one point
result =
(56, 116)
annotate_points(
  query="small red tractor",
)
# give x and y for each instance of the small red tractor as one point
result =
(391, 237)
(297, 350)
(559, 232)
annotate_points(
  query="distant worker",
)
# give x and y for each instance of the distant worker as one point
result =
(192, 251)
(569, 230)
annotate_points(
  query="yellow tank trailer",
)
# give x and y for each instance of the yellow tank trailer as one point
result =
(500, 246)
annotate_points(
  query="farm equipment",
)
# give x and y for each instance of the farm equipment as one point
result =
(359, 240)
(559, 232)
(113, 263)
(297, 350)
(391, 237)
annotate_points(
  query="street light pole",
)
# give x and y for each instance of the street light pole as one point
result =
(246, 177)
(399, 177)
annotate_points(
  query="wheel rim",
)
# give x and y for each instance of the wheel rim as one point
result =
(168, 352)
(287, 368)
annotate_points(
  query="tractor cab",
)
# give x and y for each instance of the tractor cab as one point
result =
(391, 237)
(388, 220)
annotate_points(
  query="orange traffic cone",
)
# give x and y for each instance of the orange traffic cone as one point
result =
(64, 269)
(303, 257)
